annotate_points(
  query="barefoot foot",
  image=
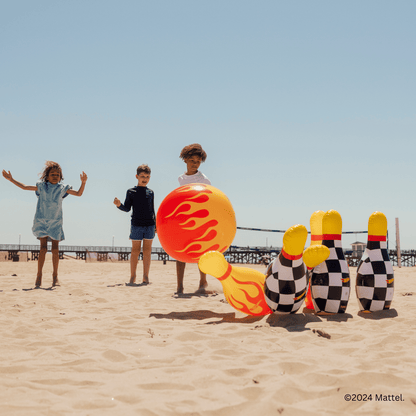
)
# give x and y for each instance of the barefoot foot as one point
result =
(38, 282)
(204, 291)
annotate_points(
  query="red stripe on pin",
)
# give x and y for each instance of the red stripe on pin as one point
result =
(226, 274)
(331, 237)
(289, 257)
(316, 237)
(377, 238)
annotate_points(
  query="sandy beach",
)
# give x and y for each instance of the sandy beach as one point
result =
(94, 346)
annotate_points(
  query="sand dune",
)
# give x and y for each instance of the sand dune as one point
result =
(97, 347)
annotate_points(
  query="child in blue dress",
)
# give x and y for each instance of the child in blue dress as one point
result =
(47, 224)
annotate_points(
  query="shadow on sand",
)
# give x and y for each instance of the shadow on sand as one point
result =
(295, 322)
(206, 293)
(205, 314)
(385, 314)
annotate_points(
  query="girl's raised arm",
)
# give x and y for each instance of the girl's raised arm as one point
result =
(80, 191)
(10, 178)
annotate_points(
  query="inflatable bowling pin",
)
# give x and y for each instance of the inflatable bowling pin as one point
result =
(243, 287)
(315, 255)
(316, 239)
(330, 282)
(287, 278)
(375, 278)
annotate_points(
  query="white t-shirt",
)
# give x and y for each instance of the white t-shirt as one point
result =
(199, 177)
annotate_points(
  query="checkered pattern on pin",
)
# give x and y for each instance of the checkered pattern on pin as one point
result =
(285, 289)
(375, 278)
(330, 282)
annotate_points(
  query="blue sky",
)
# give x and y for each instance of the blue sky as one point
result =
(300, 106)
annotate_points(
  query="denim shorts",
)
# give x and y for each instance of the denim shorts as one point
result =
(142, 232)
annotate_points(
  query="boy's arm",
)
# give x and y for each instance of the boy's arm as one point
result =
(127, 203)
(154, 215)
(10, 178)
(80, 191)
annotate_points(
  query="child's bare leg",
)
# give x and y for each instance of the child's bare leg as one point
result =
(134, 258)
(180, 272)
(147, 254)
(202, 282)
(41, 261)
(55, 262)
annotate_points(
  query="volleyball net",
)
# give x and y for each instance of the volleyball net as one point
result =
(283, 231)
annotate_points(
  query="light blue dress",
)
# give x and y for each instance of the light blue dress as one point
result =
(48, 217)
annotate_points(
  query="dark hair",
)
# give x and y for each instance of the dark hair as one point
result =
(193, 150)
(49, 165)
(143, 168)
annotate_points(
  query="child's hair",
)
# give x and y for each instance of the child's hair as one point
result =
(49, 165)
(193, 150)
(143, 168)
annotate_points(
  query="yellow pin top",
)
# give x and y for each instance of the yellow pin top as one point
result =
(213, 263)
(294, 240)
(316, 227)
(377, 224)
(315, 255)
(332, 222)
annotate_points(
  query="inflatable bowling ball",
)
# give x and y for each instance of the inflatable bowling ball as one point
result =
(194, 219)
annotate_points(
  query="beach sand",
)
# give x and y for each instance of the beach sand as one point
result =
(94, 346)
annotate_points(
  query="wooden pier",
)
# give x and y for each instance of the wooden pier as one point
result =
(261, 255)
(81, 252)
(251, 255)
(235, 255)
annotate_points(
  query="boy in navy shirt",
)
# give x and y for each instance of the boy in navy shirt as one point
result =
(143, 221)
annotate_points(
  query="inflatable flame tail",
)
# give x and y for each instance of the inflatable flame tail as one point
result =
(243, 287)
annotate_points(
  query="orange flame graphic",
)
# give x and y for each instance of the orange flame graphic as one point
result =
(249, 298)
(300, 296)
(194, 219)
(243, 287)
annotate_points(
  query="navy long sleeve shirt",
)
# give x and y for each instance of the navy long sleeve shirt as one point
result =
(141, 199)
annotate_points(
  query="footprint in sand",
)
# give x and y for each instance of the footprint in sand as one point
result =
(114, 356)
